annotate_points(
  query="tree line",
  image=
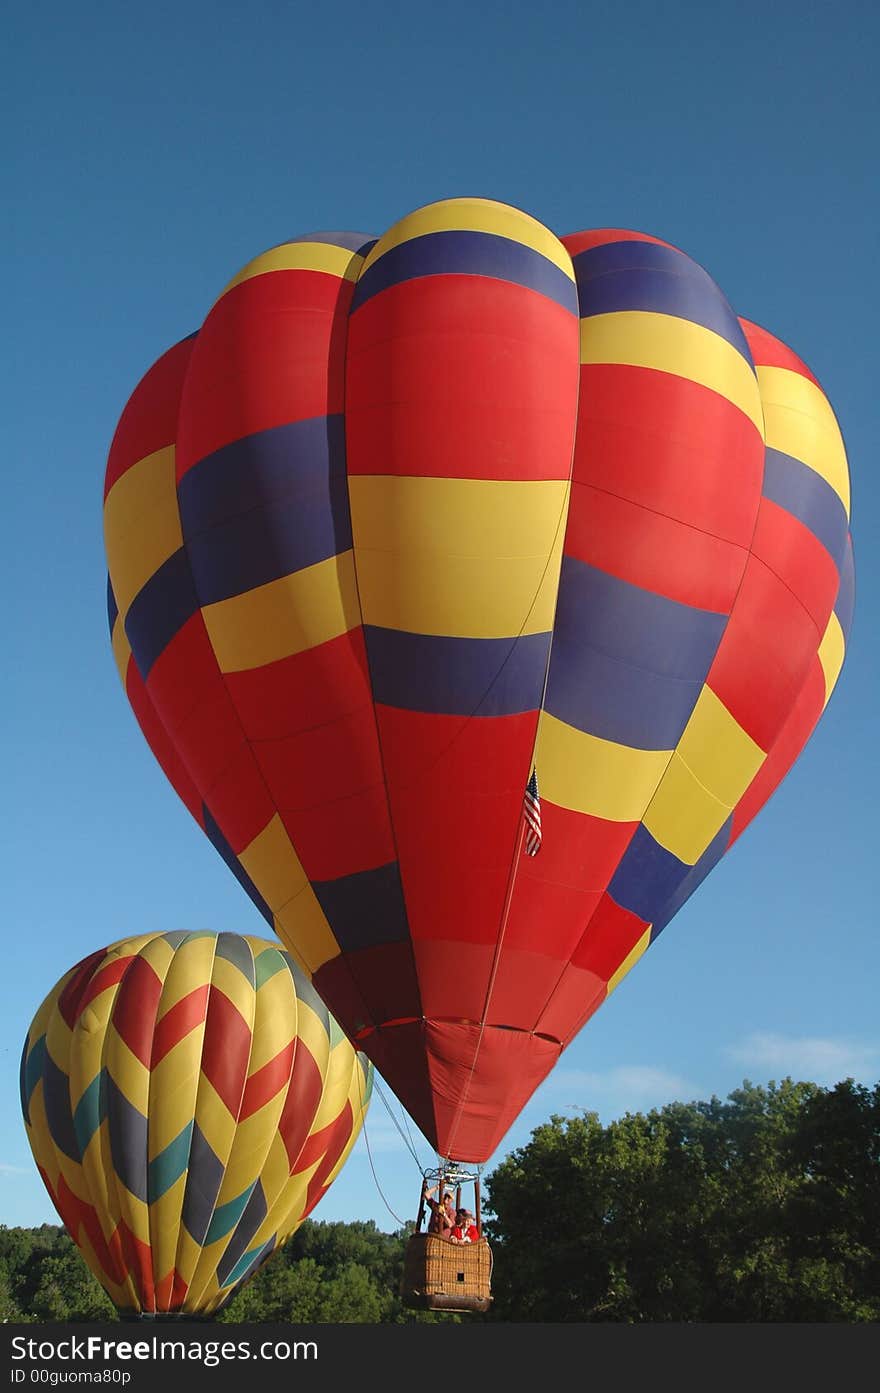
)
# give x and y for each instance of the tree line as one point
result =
(762, 1207)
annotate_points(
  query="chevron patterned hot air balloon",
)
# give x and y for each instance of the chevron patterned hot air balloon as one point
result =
(410, 527)
(188, 1100)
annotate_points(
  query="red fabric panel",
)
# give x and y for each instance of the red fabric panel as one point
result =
(524, 983)
(182, 673)
(335, 1140)
(159, 741)
(461, 377)
(453, 976)
(70, 1000)
(226, 1050)
(652, 551)
(210, 735)
(301, 1104)
(267, 1082)
(239, 801)
(547, 917)
(764, 656)
(597, 237)
(304, 690)
(335, 985)
(577, 995)
(799, 559)
(399, 1055)
(609, 937)
(330, 761)
(149, 420)
(578, 849)
(768, 351)
(791, 740)
(135, 1007)
(480, 1082)
(386, 979)
(671, 445)
(456, 789)
(270, 352)
(337, 839)
(177, 1022)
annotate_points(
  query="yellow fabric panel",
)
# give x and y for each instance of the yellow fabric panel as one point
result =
(302, 926)
(141, 524)
(589, 775)
(465, 558)
(272, 863)
(187, 1256)
(800, 422)
(234, 985)
(475, 215)
(175, 1085)
(301, 256)
(121, 648)
(214, 1120)
(253, 1137)
(718, 751)
(831, 654)
(683, 815)
(275, 1172)
(629, 961)
(285, 616)
(275, 1019)
(643, 339)
(165, 1225)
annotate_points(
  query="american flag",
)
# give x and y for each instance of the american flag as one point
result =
(532, 814)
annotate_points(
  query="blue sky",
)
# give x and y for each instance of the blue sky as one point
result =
(149, 154)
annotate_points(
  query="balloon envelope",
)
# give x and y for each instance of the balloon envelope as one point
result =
(188, 1100)
(409, 520)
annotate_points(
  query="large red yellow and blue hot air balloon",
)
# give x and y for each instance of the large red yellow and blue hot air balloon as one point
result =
(409, 519)
(188, 1100)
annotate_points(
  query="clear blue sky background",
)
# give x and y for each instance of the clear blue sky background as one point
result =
(150, 152)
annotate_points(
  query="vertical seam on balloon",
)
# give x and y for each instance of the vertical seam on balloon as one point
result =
(354, 557)
(749, 555)
(514, 866)
(181, 1230)
(515, 861)
(245, 740)
(113, 1177)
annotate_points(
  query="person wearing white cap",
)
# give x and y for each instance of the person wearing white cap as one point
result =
(465, 1230)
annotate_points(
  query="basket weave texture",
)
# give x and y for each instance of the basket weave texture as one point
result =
(435, 1267)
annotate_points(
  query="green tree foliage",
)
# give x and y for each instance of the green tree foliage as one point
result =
(763, 1208)
(43, 1278)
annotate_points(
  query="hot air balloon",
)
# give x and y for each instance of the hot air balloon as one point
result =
(475, 587)
(188, 1100)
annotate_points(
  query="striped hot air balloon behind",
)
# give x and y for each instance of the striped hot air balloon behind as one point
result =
(188, 1100)
(408, 521)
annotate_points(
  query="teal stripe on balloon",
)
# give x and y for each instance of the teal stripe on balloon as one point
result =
(249, 1260)
(225, 1218)
(33, 1069)
(169, 1165)
(268, 964)
(90, 1110)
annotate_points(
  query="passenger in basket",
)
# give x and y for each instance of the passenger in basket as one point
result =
(442, 1217)
(464, 1230)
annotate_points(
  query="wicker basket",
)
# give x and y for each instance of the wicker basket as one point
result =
(443, 1276)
